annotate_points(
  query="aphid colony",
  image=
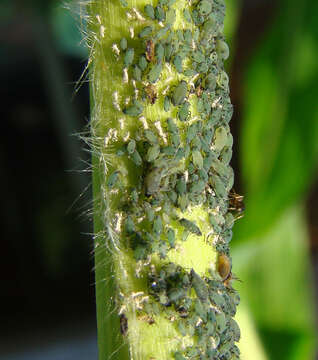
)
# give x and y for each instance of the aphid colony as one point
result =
(187, 167)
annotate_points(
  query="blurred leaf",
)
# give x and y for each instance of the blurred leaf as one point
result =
(280, 121)
(277, 281)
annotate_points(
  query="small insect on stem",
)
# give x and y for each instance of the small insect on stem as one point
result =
(236, 204)
(224, 266)
(150, 50)
(123, 324)
(151, 93)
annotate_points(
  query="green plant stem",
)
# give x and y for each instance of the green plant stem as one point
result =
(161, 149)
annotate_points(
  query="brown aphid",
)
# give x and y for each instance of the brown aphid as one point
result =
(151, 93)
(199, 91)
(123, 324)
(224, 266)
(147, 319)
(236, 203)
(150, 50)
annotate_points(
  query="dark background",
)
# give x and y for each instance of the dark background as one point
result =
(47, 285)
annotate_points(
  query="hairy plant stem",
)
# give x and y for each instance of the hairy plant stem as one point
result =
(161, 149)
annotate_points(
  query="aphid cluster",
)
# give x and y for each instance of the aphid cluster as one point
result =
(183, 162)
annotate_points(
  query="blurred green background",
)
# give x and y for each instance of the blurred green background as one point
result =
(46, 268)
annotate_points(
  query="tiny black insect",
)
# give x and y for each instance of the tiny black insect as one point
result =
(123, 324)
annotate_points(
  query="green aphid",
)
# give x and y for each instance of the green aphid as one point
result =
(179, 94)
(123, 3)
(222, 49)
(166, 103)
(204, 146)
(171, 2)
(177, 62)
(187, 151)
(188, 36)
(152, 153)
(153, 180)
(172, 127)
(168, 150)
(224, 349)
(184, 113)
(149, 11)
(216, 228)
(171, 237)
(209, 28)
(131, 147)
(123, 43)
(198, 19)
(202, 67)
(171, 16)
(189, 72)
(179, 34)
(203, 175)
(183, 202)
(155, 72)
(129, 56)
(168, 51)
(208, 160)
(163, 299)
(121, 151)
(163, 249)
(219, 139)
(162, 32)
(208, 135)
(129, 225)
(217, 299)
(159, 52)
(198, 56)
(214, 118)
(150, 213)
(140, 252)
(210, 329)
(200, 310)
(204, 7)
(176, 294)
(192, 132)
(180, 154)
(209, 82)
(151, 137)
(182, 328)
(136, 158)
(226, 155)
(190, 226)
(178, 356)
(223, 80)
(136, 73)
(142, 63)
(157, 225)
(112, 179)
(197, 187)
(146, 31)
(236, 330)
(196, 143)
(134, 196)
(220, 168)
(181, 186)
(220, 322)
(199, 286)
(197, 159)
(135, 109)
(160, 14)
(187, 15)
(175, 139)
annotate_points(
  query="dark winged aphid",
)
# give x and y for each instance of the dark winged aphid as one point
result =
(151, 93)
(190, 226)
(123, 324)
(150, 50)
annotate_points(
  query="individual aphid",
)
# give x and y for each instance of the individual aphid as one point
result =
(179, 94)
(198, 91)
(177, 62)
(123, 324)
(222, 49)
(149, 11)
(153, 180)
(129, 56)
(136, 158)
(151, 93)
(159, 52)
(190, 226)
(160, 14)
(131, 147)
(134, 110)
(152, 153)
(150, 50)
(166, 104)
(224, 266)
(236, 203)
(179, 356)
(123, 43)
(113, 178)
(146, 31)
(155, 72)
(199, 286)
(151, 137)
(184, 113)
